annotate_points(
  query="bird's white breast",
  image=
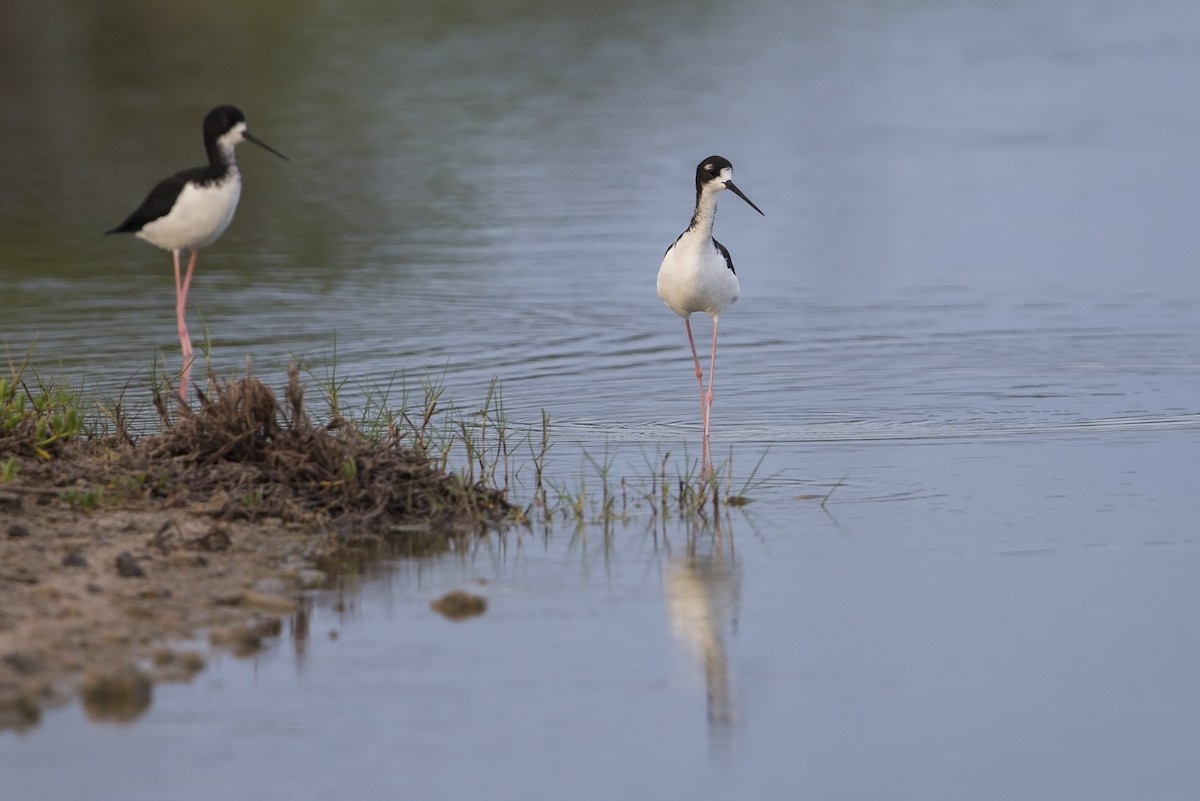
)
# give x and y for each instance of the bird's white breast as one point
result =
(694, 277)
(199, 216)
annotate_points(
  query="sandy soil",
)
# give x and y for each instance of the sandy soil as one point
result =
(102, 603)
(117, 557)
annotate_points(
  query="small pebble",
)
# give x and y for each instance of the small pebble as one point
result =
(75, 559)
(216, 539)
(128, 567)
(24, 663)
(16, 530)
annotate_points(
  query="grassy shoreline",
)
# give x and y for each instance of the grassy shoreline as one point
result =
(118, 550)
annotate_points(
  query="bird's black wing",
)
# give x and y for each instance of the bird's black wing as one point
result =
(725, 253)
(159, 202)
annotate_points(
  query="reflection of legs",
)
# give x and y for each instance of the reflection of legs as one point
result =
(185, 341)
(687, 324)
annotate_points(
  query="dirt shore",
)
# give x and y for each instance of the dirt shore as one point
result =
(122, 562)
(103, 603)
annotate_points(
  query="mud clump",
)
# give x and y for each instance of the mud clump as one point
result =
(459, 605)
(116, 694)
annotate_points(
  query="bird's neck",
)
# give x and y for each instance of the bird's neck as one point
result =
(705, 213)
(221, 157)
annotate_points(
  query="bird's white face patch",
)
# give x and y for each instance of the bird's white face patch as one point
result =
(717, 182)
(232, 136)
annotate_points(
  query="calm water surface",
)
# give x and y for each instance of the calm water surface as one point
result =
(970, 315)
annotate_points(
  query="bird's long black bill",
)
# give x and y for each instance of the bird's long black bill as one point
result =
(249, 137)
(738, 192)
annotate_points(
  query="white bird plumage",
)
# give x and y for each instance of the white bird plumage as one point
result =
(697, 275)
(199, 216)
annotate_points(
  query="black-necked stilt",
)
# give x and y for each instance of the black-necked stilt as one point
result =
(192, 208)
(697, 273)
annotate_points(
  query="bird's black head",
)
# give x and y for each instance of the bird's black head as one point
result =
(710, 169)
(220, 121)
(716, 173)
(224, 127)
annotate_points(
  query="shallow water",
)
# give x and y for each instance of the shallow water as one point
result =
(968, 319)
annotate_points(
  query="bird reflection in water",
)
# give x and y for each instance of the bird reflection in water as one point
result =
(703, 588)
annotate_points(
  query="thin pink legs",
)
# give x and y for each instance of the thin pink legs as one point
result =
(687, 324)
(706, 398)
(181, 291)
(712, 370)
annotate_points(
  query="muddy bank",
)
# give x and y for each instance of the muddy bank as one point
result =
(110, 601)
(122, 563)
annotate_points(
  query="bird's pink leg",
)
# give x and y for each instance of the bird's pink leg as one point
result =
(687, 324)
(712, 369)
(185, 341)
(708, 398)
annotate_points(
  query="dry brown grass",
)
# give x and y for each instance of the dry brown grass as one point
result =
(243, 455)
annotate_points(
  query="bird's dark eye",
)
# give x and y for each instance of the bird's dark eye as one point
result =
(711, 169)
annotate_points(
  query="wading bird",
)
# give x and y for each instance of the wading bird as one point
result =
(697, 272)
(189, 210)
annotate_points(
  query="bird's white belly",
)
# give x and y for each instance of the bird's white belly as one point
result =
(199, 216)
(693, 279)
